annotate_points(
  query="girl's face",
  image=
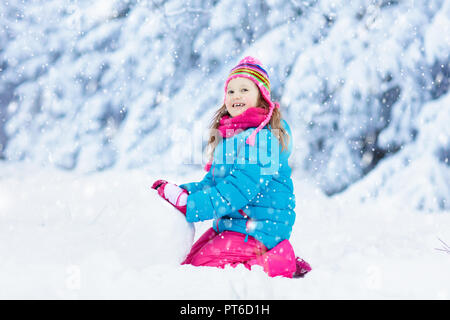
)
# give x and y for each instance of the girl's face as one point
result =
(241, 95)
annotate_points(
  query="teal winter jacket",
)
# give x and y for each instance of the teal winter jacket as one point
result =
(248, 188)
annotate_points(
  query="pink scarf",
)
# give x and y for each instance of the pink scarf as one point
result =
(250, 118)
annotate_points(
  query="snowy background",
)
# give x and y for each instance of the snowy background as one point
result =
(100, 98)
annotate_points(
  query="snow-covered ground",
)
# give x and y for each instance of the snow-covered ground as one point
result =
(66, 235)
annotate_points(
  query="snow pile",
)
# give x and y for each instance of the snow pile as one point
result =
(74, 216)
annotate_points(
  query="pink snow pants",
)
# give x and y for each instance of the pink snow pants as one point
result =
(230, 248)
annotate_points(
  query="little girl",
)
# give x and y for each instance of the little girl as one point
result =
(248, 190)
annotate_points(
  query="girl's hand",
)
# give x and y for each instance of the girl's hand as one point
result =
(172, 193)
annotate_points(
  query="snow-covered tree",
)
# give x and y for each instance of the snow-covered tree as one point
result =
(90, 85)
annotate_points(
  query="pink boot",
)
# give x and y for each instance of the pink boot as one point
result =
(281, 261)
(302, 268)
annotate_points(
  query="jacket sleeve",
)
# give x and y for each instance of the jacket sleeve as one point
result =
(243, 183)
(193, 187)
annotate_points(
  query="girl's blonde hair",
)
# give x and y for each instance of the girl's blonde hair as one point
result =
(275, 125)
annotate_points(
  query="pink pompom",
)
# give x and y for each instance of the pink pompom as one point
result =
(250, 59)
